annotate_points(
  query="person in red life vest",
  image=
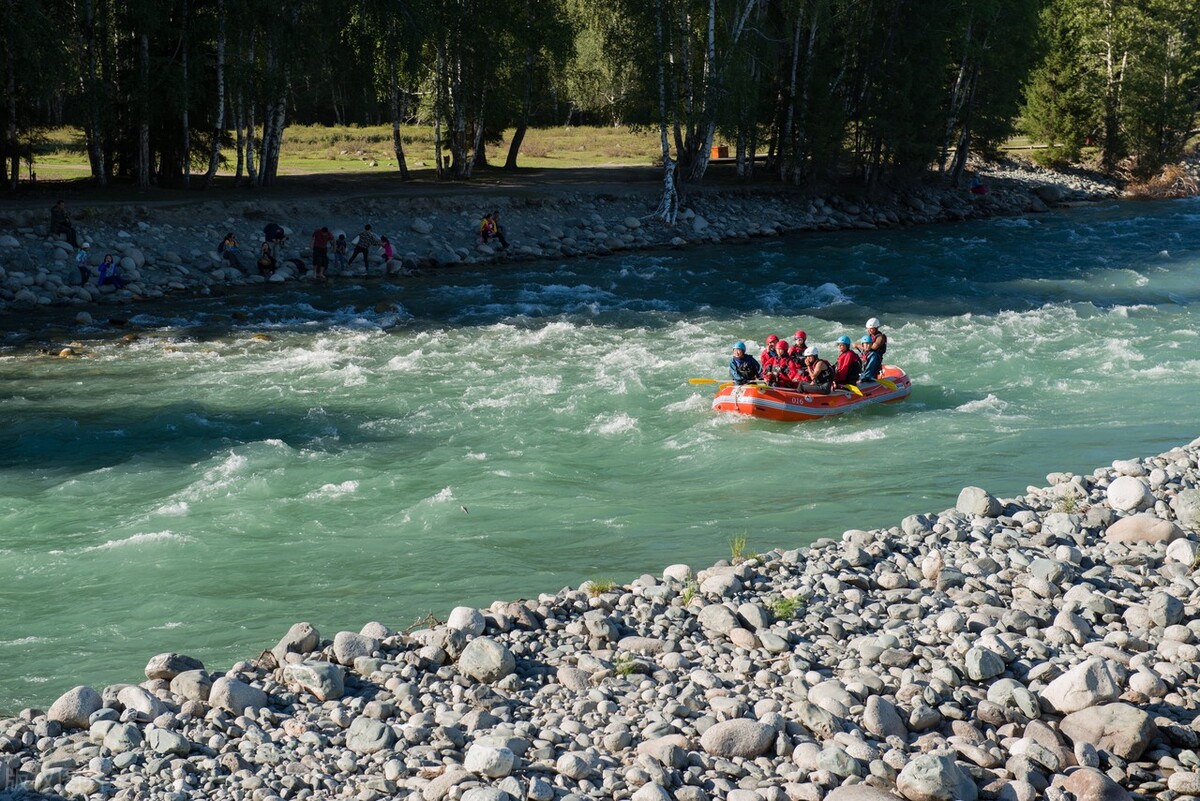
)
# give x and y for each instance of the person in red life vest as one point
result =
(769, 350)
(777, 372)
(799, 343)
(320, 252)
(820, 374)
(848, 364)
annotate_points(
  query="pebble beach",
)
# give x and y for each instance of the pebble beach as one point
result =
(1038, 647)
(169, 250)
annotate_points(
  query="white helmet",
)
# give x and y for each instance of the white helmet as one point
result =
(874, 323)
(811, 350)
(86, 245)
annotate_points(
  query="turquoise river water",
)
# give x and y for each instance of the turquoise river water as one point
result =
(202, 489)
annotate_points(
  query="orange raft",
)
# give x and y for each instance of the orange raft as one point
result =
(793, 406)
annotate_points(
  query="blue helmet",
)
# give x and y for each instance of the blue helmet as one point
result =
(843, 340)
(739, 345)
(865, 341)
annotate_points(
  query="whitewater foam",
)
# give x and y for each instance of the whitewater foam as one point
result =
(140, 539)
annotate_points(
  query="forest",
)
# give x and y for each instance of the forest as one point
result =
(871, 90)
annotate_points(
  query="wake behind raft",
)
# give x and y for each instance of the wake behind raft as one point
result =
(792, 406)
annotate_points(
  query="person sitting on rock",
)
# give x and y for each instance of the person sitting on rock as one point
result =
(820, 374)
(266, 261)
(743, 368)
(489, 228)
(978, 186)
(228, 250)
(60, 223)
(110, 273)
(81, 261)
(873, 361)
(849, 366)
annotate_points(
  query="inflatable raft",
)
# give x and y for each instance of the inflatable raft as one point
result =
(790, 405)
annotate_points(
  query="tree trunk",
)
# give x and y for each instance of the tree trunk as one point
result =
(143, 161)
(514, 147)
(214, 159)
(438, 108)
(394, 98)
(92, 91)
(187, 128)
(11, 145)
(963, 150)
(786, 147)
(668, 207)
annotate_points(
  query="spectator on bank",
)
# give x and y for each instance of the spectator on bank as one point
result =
(339, 254)
(60, 223)
(266, 260)
(228, 250)
(362, 245)
(81, 261)
(110, 273)
(320, 250)
(275, 236)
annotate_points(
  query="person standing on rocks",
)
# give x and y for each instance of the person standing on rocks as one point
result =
(60, 223)
(875, 351)
(339, 254)
(362, 245)
(320, 250)
(81, 261)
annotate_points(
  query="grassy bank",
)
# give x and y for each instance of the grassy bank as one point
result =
(316, 149)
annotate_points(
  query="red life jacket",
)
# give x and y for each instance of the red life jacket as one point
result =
(849, 366)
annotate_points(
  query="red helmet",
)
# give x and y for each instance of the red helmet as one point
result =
(782, 345)
(772, 338)
(801, 335)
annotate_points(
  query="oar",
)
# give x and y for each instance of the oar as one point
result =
(890, 386)
(855, 390)
(703, 381)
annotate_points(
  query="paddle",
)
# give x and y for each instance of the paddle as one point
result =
(703, 381)
(890, 386)
(855, 390)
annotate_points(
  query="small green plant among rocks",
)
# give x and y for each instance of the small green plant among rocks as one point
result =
(625, 665)
(737, 549)
(598, 587)
(1067, 503)
(787, 608)
(690, 588)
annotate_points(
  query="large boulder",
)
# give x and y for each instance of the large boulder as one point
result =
(1120, 729)
(194, 685)
(1129, 494)
(1187, 508)
(348, 646)
(164, 741)
(881, 718)
(74, 707)
(1087, 684)
(977, 502)
(302, 638)
(326, 682)
(486, 660)
(466, 619)
(140, 700)
(1089, 784)
(369, 736)
(169, 665)
(740, 737)
(492, 761)
(931, 777)
(1142, 528)
(235, 696)
(577, 765)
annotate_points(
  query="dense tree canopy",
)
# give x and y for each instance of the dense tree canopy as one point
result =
(878, 89)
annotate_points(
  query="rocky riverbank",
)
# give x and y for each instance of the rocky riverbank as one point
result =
(1039, 647)
(171, 249)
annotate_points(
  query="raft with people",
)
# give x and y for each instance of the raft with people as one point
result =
(794, 405)
(793, 383)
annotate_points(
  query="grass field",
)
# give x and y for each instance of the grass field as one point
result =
(315, 149)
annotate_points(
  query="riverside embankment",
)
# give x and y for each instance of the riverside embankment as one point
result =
(171, 249)
(1039, 646)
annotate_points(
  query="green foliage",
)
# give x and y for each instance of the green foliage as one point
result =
(690, 588)
(787, 608)
(737, 548)
(598, 587)
(626, 665)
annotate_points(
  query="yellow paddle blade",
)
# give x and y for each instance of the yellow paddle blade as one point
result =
(703, 381)
(890, 386)
(853, 389)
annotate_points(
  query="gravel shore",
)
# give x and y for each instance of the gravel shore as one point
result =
(172, 249)
(1039, 647)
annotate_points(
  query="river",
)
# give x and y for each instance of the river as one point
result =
(284, 455)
